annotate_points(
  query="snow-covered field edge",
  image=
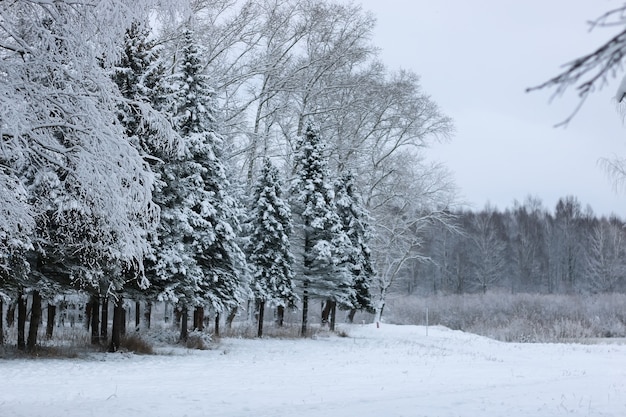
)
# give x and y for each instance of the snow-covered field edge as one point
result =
(388, 371)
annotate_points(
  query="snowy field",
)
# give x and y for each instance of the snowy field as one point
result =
(390, 371)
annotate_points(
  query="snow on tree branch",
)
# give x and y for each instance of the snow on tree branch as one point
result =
(592, 71)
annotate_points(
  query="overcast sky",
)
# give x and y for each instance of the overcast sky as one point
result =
(475, 59)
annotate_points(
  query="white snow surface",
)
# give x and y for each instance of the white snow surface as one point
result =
(386, 371)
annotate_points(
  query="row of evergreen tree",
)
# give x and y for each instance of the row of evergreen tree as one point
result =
(211, 247)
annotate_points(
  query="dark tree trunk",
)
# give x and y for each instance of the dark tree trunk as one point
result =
(147, 313)
(326, 312)
(280, 316)
(95, 319)
(217, 324)
(351, 315)
(198, 318)
(104, 319)
(61, 310)
(231, 317)
(21, 321)
(35, 319)
(123, 322)
(184, 332)
(1, 322)
(177, 316)
(261, 314)
(333, 314)
(305, 309)
(52, 312)
(137, 315)
(11, 314)
(88, 307)
(116, 330)
(166, 316)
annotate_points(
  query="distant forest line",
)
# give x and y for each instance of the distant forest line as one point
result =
(526, 248)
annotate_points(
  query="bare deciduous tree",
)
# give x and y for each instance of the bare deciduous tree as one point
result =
(413, 199)
(489, 249)
(606, 262)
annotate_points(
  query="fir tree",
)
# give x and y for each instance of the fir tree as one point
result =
(139, 76)
(323, 241)
(269, 247)
(355, 220)
(141, 93)
(198, 255)
(128, 74)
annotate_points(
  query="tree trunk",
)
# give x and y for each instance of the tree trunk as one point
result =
(88, 316)
(11, 314)
(328, 305)
(280, 316)
(184, 333)
(379, 312)
(198, 318)
(52, 312)
(21, 321)
(137, 315)
(1, 322)
(305, 309)
(94, 310)
(333, 314)
(261, 314)
(123, 322)
(147, 313)
(231, 317)
(62, 313)
(104, 319)
(35, 319)
(166, 317)
(351, 315)
(217, 324)
(116, 330)
(381, 306)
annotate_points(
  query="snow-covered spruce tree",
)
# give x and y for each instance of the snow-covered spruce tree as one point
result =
(322, 242)
(356, 225)
(198, 255)
(269, 247)
(139, 77)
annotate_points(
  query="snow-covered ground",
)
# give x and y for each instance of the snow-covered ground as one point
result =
(389, 371)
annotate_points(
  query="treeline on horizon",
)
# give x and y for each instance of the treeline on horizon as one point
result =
(528, 248)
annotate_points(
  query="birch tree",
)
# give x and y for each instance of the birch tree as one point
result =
(489, 254)
(606, 268)
(413, 200)
(528, 229)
